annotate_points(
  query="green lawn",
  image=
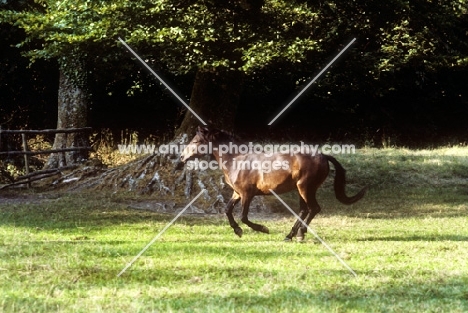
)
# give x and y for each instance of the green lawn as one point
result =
(407, 240)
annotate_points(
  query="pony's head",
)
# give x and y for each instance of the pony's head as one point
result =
(202, 137)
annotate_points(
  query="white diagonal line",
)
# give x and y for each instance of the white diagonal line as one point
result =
(313, 80)
(315, 234)
(161, 80)
(160, 233)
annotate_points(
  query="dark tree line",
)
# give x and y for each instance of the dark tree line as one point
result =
(239, 62)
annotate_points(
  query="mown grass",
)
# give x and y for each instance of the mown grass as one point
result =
(407, 240)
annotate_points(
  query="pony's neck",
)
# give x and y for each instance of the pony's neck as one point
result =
(221, 155)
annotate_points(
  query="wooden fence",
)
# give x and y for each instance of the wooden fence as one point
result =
(28, 177)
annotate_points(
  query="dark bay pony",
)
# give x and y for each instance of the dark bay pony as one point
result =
(304, 172)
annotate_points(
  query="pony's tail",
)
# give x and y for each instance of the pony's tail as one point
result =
(340, 183)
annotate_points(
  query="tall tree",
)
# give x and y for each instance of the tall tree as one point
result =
(223, 42)
(60, 32)
(73, 103)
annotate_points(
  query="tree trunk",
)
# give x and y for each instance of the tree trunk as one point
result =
(215, 98)
(73, 100)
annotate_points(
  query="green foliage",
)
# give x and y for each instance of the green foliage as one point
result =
(238, 36)
(62, 26)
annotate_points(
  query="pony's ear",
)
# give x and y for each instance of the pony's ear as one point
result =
(202, 130)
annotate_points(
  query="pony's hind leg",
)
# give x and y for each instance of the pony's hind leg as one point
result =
(302, 214)
(314, 209)
(229, 207)
(246, 199)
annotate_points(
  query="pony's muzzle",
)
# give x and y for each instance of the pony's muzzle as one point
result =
(183, 158)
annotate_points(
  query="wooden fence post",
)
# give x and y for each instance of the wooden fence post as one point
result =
(26, 158)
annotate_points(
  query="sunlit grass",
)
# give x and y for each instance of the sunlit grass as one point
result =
(407, 240)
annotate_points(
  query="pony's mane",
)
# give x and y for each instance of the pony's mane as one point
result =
(219, 135)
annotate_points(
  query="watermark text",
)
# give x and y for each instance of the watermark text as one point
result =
(231, 148)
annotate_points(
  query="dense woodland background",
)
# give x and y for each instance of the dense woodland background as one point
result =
(403, 82)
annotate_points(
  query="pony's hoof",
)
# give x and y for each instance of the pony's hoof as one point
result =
(287, 239)
(300, 239)
(238, 231)
(265, 230)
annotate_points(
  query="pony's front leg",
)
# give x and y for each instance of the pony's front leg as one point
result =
(230, 206)
(245, 212)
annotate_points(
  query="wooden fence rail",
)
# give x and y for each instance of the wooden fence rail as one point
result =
(26, 153)
(45, 131)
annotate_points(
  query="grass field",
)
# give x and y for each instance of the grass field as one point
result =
(407, 240)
